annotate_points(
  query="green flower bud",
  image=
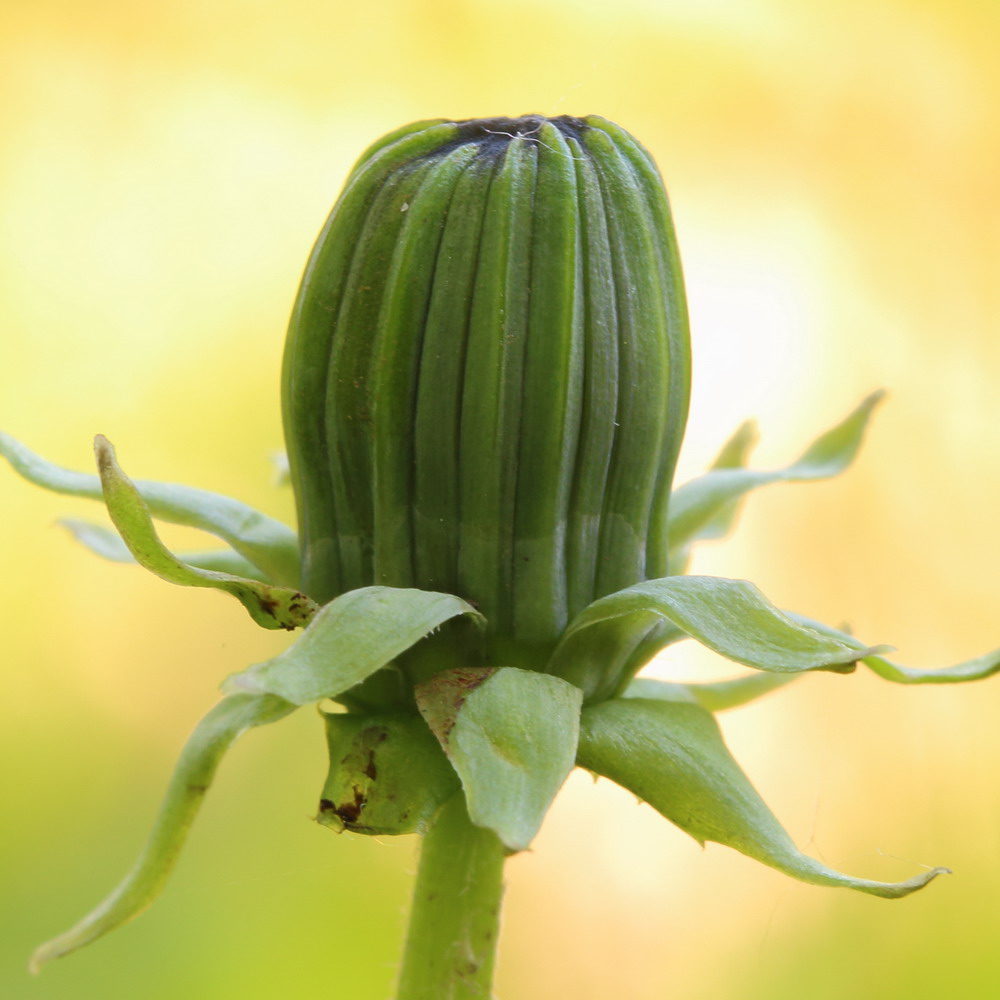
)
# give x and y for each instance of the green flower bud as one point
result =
(487, 373)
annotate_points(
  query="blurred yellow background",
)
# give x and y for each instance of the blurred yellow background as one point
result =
(834, 169)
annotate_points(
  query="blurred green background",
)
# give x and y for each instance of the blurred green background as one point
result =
(833, 166)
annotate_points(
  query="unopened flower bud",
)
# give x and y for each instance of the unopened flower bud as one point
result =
(486, 378)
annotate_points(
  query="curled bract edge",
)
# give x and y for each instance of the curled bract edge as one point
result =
(270, 606)
(268, 544)
(192, 777)
(671, 754)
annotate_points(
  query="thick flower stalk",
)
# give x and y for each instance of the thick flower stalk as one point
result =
(485, 389)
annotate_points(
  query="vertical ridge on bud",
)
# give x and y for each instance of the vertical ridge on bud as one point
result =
(643, 436)
(349, 395)
(438, 418)
(599, 406)
(395, 366)
(678, 345)
(493, 387)
(553, 371)
(310, 344)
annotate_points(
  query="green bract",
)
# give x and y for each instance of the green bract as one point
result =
(485, 389)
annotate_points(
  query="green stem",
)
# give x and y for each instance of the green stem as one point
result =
(452, 938)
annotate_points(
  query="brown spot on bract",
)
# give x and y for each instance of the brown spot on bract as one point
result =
(441, 698)
(350, 811)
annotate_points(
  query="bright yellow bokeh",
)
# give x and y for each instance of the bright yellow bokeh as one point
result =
(834, 169)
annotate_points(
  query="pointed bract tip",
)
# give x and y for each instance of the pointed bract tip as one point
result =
(41, 956)
(104, 452)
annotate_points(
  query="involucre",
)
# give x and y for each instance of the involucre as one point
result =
(487, 374)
